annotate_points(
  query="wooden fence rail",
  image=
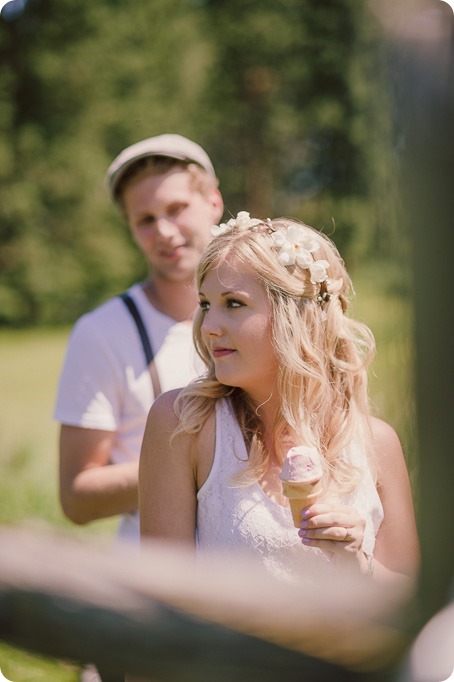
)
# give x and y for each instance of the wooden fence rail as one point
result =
(162, 613)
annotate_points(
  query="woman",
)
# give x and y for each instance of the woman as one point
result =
(286, 366)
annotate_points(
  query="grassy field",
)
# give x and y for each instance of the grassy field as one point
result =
(30, 362)
(391, 379)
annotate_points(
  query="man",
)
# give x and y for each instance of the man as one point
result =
(167, 190)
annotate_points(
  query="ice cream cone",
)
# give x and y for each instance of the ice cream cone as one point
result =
(300, 496)
(300, 476)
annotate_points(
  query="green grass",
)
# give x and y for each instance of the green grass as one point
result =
(30, 363)
(21, 666)
(391, 379)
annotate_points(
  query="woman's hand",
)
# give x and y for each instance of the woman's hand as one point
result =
(334, 528)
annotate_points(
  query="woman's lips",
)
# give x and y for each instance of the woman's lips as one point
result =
(221, 352)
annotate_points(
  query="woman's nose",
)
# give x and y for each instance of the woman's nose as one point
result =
(211, 324)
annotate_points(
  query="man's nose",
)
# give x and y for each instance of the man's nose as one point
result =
(165, 227)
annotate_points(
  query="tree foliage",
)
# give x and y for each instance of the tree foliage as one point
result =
(278, 93)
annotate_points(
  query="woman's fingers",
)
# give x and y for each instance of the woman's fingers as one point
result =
(330, 515)
(333, 527)
(335, 533)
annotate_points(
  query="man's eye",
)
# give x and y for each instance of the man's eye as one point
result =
(176, 209)
(146, 221)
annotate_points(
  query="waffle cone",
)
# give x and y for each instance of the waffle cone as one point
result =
(300, 495)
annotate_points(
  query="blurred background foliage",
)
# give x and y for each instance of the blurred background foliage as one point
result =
(286, 97)
(292, 101)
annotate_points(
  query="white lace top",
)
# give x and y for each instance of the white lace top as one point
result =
(242, 519)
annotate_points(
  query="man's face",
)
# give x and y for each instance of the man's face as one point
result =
(170, 221)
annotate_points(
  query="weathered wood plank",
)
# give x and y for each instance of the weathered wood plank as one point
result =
(163, 613)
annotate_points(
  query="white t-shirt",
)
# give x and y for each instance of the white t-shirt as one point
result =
(105, 383)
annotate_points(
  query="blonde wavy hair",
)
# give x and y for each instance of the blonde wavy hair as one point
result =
(323, 357)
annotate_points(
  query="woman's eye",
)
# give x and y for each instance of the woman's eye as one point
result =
(233, 303)
(204, 305)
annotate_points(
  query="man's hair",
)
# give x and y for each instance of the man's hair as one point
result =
(159, 165)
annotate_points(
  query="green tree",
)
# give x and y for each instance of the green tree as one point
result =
(79, 83)
(288, 82)
(283, 96)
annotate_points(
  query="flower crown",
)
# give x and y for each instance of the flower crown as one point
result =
(293, 244)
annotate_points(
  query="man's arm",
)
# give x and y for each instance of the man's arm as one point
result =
(90, 487)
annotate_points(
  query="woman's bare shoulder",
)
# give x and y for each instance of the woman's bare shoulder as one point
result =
(387, 448)
(384, 435)
(163, 409)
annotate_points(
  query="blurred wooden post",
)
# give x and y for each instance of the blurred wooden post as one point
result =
(423, 44)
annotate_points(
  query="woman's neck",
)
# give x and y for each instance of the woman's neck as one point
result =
(266, 408)
(276, 444)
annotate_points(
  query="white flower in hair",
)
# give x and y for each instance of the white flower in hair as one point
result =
(243, 221)
(217, 230)
(318, 271)
(296, 246)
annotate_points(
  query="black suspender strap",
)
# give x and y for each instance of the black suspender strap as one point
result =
(146, 345)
